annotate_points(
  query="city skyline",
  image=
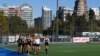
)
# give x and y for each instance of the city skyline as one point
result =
(37, 4)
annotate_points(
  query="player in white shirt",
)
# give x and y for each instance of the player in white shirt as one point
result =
(37, 44)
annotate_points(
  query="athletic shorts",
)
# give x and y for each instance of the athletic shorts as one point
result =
(19, 44)
(33, 44)
(37, 45)
(29, 44)
(23, 44)
(46, 43)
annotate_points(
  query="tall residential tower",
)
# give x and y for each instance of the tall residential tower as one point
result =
(46, 17)
(80, 7)
(26, 14)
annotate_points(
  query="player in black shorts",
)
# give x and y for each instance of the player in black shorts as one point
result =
(28, 44)
(33, 43)
(46, 42)
(20, 44)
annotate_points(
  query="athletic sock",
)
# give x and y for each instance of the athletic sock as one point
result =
(46, 50)
(18, 52)
(37, 53)
(27, 51)
(22, 50)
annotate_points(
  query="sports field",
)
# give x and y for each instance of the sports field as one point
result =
(68, 49)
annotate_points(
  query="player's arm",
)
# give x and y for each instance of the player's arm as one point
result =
(48, 40)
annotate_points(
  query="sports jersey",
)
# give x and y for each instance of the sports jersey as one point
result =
(37, 41)
(46, 40)
(19, 41)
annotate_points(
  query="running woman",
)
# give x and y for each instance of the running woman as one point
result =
(28, 44)
(20, 44)
(46, 42)
(33, 43)
(37, 42)
(24, 44)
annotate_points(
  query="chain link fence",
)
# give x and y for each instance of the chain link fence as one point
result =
(61, 38)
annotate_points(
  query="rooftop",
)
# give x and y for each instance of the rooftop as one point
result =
(46, 8)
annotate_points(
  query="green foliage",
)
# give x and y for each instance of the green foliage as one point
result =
(91, 14)
(92, 21)
(3, 22)
(16, 25)
(36, 30)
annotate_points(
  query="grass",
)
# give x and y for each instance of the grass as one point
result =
(68, 49)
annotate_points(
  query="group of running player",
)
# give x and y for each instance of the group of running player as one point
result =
(31, 42)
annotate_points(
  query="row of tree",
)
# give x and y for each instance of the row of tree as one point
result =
(74, 24)
(12, 24)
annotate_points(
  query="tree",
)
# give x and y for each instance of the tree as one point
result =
(57, 25)
(16, 25)
(3, 23)
(68, 24)
(91, 20)
(36, 30)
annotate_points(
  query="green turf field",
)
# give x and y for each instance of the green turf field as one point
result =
(68, 49)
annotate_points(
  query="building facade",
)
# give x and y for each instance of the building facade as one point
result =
(38, 22)
(11, 10)
(14, 11)
(46, 17)
(5, 10)
(26, 14)
(80, 7)
(24, 11)
(63, 11)
(66, 11)
(97, 13)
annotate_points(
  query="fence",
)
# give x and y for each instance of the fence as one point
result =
(62, 38)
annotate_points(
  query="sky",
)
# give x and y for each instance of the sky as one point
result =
(37, 4)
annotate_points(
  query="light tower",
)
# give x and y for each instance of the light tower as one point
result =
(57, 29)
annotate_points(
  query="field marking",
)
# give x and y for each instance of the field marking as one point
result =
(8, 49)
(70, 51)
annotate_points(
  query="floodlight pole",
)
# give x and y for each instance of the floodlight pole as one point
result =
(57, 31)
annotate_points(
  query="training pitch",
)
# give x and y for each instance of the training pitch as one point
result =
(67, 49)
